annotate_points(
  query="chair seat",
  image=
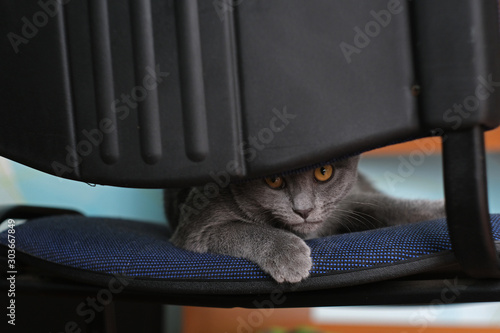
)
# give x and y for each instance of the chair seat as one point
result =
(92, 250)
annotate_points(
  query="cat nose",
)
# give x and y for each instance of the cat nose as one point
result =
(303, 212)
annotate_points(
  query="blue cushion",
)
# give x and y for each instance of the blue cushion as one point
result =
(93, 249)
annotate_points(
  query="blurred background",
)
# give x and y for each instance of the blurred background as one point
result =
(411, 170)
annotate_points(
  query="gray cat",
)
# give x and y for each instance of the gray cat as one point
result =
(266, 221)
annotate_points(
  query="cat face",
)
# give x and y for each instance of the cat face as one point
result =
(299, 203)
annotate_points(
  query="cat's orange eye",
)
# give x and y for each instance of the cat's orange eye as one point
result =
(275, 182)
(324, 173)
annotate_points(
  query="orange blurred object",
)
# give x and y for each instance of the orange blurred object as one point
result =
(433, 145)
(237, 320)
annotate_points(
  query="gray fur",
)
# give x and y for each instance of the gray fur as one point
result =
(253, 221)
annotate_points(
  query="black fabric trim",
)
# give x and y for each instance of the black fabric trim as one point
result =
(327, 281)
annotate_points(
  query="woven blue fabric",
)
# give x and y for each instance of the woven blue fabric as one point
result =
(135, 249)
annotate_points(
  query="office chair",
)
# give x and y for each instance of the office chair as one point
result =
(156, 94)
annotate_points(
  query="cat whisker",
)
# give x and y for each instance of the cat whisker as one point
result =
(369, 216)
(368, 223)
(329, 205)
(358, 216)
(360, 221)
(361, 203)
(350, 215)
(344, 225)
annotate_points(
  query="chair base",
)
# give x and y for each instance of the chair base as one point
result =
(433, 290)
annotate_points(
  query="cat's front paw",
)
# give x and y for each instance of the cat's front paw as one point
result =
(289, 260)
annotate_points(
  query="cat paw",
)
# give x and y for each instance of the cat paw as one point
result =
(289, 260)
